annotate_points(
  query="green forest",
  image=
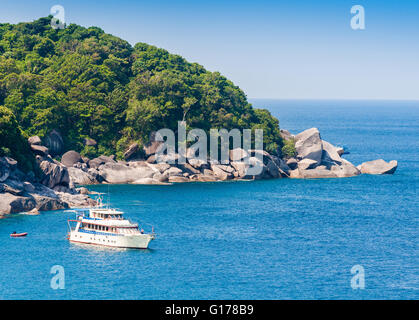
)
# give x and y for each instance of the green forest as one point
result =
(86, 83)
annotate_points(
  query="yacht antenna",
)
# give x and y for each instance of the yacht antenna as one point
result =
(108, 197)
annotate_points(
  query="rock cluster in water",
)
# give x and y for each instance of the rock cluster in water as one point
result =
(315, 158)
(52, 189)
(55, 187)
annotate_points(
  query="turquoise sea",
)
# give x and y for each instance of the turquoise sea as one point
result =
(276, 239)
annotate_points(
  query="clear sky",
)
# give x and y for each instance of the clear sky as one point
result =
(271, 49)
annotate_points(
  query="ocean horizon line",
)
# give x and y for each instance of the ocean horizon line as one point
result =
(333, 99)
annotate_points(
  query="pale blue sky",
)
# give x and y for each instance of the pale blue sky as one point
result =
(271, 49)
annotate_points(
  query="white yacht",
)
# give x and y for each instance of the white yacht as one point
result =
(107, 227)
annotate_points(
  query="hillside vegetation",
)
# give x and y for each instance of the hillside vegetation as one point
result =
(89, 84)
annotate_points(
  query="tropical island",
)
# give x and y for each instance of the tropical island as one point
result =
(79, 106)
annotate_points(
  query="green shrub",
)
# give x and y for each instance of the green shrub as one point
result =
(288, 150)
(13, 143)
(90, 152)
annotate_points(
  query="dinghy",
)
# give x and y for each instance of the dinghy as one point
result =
(17, 235)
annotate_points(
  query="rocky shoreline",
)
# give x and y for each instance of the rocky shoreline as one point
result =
(315, 158)
(55, 187)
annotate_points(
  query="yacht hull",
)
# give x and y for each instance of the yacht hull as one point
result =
(140, 241)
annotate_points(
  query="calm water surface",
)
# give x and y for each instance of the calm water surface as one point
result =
(276, 239)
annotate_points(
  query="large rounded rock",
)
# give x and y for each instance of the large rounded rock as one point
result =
(220, 173)
(330, 153)
(76, 200)
(308, 145)
(378, 167)
(120, 174)
(14, 204)
(97, 162)
(160, 177)
(159, 167)
(306, 164)
(44, 203)
(70, 158)
(4, 170)
(173, 171)
(94, 173)
(317, 173)
(54, 174)
(80, 177)
(345, 169)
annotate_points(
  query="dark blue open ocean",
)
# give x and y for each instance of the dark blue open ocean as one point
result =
(276, 239)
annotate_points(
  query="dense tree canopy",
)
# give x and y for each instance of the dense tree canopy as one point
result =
(13, 142)
(89, 84)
